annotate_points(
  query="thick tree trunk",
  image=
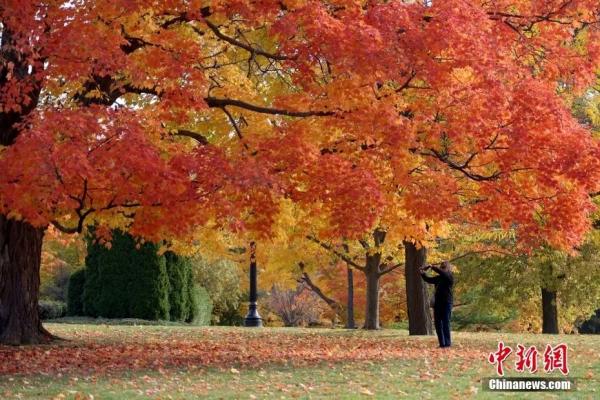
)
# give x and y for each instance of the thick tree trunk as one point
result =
(417, 299)
(372, 271)
(350, 324)
(20, 258)
(549, 312)
(372, 307)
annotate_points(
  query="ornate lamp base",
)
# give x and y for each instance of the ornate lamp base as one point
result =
(253, 319)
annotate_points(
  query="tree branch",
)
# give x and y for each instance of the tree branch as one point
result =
(462, 167)
(342, 256)
(390, 268)
(223, 102)
(233, 123)
(198, 137)
(63, 228)
(364, 244)
(305, 278)
(247, 47)
(111, 92)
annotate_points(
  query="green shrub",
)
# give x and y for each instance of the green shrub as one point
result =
(222, 281)
(50, 309)
(201, 307)
(75, 293)
(127, 280)
(149, 285)
(181, 284)
(92, 287)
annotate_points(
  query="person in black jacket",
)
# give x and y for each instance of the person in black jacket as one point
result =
(442, 307)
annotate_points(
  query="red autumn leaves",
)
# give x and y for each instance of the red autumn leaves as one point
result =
(402, 115)
(113, 350)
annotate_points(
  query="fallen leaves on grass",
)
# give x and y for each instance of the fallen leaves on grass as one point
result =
(114, 350)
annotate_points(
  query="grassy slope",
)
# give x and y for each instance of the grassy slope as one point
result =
(407, 368)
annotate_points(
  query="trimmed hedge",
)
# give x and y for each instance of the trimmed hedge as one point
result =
(75, 293)
(130, 280)
(179, 270)
(127, 280)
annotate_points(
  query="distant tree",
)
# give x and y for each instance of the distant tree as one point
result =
(295, 307)
(547, 291)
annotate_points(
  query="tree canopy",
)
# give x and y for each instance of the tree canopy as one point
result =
(367, 113)
(161, 117)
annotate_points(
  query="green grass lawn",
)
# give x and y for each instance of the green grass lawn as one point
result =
(179, 362)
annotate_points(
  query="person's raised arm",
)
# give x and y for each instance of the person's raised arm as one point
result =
(443, 274)
(429, 279)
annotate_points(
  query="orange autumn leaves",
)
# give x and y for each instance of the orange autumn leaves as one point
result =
(109, 352)
(383, 113)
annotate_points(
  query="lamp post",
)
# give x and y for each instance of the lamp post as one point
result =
(253, 319)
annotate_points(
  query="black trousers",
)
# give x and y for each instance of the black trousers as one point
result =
(441, 319)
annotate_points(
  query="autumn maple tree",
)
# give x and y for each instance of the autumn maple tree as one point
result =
(420, 119)
(160, 117)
